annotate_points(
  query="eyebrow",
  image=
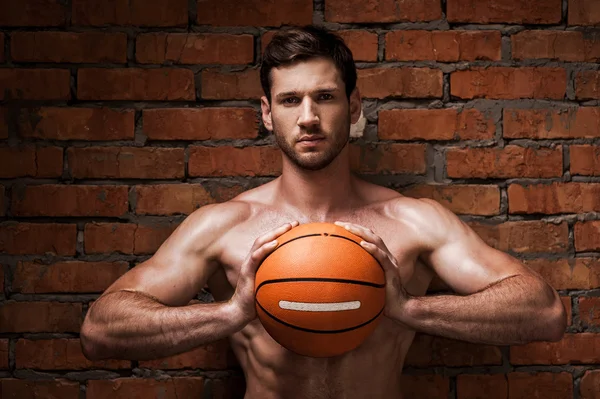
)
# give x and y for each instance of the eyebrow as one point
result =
(293, 93)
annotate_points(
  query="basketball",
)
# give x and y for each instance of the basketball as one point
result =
(320, 293)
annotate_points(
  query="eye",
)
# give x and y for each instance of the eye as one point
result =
(290, 100)
(325, 96)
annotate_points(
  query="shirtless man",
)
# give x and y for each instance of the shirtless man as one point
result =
(310, 102)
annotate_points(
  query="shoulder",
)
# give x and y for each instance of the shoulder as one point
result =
(425, 218)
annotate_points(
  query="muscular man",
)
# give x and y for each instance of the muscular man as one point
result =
(310, 100)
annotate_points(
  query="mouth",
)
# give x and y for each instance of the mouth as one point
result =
(311, 138)
(319, 307)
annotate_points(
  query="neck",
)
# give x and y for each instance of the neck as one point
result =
(318, 195)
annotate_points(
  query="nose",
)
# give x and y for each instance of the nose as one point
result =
(308, 116)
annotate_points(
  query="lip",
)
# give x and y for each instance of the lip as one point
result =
(311, 139)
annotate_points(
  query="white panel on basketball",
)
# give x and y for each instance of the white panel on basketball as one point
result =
(319, 307)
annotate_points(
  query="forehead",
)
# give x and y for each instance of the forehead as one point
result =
(306, 75)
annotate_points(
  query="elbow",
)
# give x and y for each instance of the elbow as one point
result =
(90, 343)
(556, 322)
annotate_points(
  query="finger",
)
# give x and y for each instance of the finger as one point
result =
(257, 256)
(364, 233)
(379, 254)
(273, 234)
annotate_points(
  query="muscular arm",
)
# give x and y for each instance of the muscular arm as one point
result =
(130, 325)
(500, 300)
(145, 314)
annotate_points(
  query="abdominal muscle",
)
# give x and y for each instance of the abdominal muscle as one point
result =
(370, 371)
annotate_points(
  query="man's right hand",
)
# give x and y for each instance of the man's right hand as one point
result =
(243, 298)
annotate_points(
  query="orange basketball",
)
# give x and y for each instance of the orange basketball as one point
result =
(320, 293)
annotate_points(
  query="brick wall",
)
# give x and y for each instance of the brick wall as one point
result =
(118, 118)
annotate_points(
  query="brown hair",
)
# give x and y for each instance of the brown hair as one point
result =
(300, 44)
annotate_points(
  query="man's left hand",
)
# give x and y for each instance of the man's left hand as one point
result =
(396, 296)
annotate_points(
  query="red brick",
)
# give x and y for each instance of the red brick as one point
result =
(148, 238)
(255, 12)
(49, 161)
(230, 161)
(427, 351)
(382, 11)
(38, 389)
(213, 356)
(34, 317)
(585, 160)
(400, 82)
(34, 84)
(89, 124)
(435, 124)
(510, 161)
(461, 199)
(1, 280)
(481, 386)
(568, 274)
(429, 386)
(33, 13)
(587, 236)
(244, 85)
(229, 387)
(507, 83)
(556, 45)
(1, 47)
(170, 199)
(510, 11)
(581, 122)
(135, 84)
(4, 123)
(584, 12)
(389, 158)
(63, 277)
(38, 239)
(363, 44)
(525, 236)
(2, 209)
(31, 161)
(130, 12)
(540, 385)
(73, 47)
(134, 388)
(201, 48)
(109, 237)
(58, 354)
(580, 348)
(125, 237)
(554, 198)
(70, 200)
(589, 311)
(444, 46)
(200, 123)
(224, 193)
(587, 85)
(3, 353)
(588, 386)
(126, 162)
(566, 301)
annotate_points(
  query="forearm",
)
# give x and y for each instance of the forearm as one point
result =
(132, 326)
(514, 311)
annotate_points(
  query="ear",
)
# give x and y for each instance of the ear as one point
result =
(266, 113)
(355, 106)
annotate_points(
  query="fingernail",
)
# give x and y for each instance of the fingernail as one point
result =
(273, 243)
(338, 223)
(363, 243)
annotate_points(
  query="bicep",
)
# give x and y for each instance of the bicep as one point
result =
(463, 260)
(179, 269)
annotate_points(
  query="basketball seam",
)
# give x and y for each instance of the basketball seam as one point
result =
(329, 280)
(328, 235)
(319, 331)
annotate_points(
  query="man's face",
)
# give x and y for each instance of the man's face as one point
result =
(309, 112)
